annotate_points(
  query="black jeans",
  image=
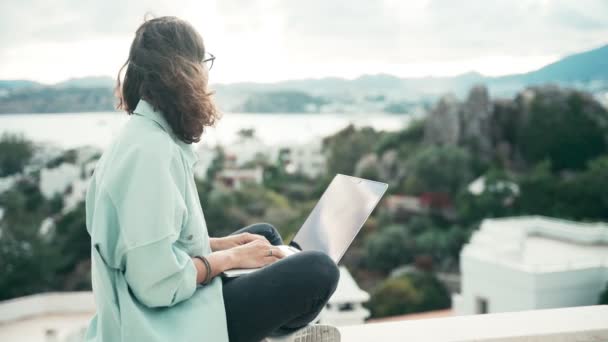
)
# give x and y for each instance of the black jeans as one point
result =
(280, 297)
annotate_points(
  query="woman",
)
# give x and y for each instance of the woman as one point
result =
(155, 271)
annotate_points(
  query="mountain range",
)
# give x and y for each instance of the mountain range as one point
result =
(588, 70)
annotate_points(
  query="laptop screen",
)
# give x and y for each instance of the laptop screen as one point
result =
(339, 215)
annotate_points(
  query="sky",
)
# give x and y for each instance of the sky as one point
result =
(273, 40)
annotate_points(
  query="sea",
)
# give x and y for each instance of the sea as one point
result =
(70, 130)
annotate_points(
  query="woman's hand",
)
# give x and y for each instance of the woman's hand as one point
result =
(256, 253)
(231, 241)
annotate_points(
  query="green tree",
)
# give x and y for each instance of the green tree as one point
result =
(439, 169)
(409, 293)
(539, 191)
(604, 296)
(15, 153)
(72, 244)
(22, 246)
(568, 130)
(345, 148)
(412, 135)
(579, 196)
(390, 247)
(583, 195)
(496, 200)
(442, 244)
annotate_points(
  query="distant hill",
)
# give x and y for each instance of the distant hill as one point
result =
(587, 70)
(16, 84)
(87, 82)
(57, 100)
(573, 70)
(580, 67)
(282, 102)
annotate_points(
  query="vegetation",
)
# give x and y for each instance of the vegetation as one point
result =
(415, 292)
(439, 169)
(554, 164)
(391, 247)
(15, 153)
(58, 100)
(35, 260)
(604, 296)
(564, 131)
(346, 147)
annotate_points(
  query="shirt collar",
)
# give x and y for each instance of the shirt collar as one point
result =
(145, 109)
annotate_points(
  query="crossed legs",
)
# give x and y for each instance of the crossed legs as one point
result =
(280, 297)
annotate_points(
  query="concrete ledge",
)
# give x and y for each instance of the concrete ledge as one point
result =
(580, 324)
(46, 303)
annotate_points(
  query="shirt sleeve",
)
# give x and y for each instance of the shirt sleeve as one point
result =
(149, 207)
(160, 274)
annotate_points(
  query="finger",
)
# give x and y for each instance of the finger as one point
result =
(249, 237)
(271, 259)
(259, 237)
(262, 242)
(256, 243)
(271, 253)
(245, 238)
(278, 253)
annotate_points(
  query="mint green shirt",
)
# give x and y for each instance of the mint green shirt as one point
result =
(145, 221)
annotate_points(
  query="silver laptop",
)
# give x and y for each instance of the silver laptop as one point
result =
(334, 221)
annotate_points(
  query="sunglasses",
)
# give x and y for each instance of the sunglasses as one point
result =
(210, 59)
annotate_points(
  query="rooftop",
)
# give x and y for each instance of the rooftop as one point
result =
(541, 244)
(347, 290)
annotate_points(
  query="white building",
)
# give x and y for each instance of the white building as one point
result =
(345, 307)
(206, 154)
(56, 180)
(526, 263)
(234, 179)
(8, 182)
(479, 186)
(66, 180)
(247, 149)
(307, 158)
(244, 150)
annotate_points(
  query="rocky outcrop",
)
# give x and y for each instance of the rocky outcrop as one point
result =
(476, 115)
(462, 123)
(386, 167)
(443, 124)
(499, 130)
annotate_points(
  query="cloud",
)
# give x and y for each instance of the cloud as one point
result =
(523, 27)
(278, 39)
(27, 22)
(414, 31)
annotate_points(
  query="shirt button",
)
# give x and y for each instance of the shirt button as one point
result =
(190, 237)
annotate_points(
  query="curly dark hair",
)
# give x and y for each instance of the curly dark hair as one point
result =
(165, 69)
